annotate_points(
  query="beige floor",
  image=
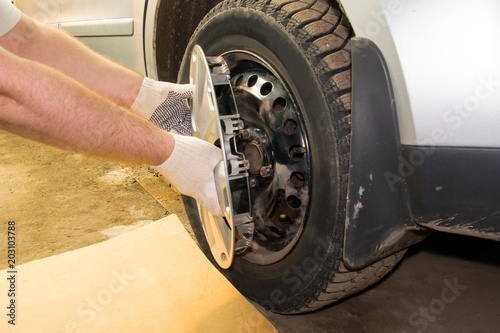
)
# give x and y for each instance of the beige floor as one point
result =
(153, 279)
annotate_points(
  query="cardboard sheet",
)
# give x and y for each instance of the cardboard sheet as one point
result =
(153, 279)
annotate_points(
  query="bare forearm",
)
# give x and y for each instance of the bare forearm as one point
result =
(42, 104)
(53, 47)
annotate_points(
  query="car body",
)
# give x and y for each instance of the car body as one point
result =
(424, 138)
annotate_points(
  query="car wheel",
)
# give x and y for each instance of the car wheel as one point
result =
(291, 76)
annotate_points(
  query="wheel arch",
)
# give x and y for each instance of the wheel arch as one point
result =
(148, 31)
(170, 22)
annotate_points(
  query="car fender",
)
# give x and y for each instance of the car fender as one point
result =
(418, 84)
(149, 30)
(442, 58)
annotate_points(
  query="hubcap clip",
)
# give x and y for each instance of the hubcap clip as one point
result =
(234, 232)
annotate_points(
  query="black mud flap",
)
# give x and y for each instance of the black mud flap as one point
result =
(378, 221)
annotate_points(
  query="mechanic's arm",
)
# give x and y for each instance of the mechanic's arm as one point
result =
(42, 104)
(162, 103)
(51, 46)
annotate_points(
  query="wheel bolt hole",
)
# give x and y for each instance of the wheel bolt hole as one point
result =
(279, 104)
(285, 219)
(296, 153)
(239, 81)
(293, 202)
(290, 127)
(266, 88)
(275, 231)
(261, 235)
(298, 179)
(252, 81)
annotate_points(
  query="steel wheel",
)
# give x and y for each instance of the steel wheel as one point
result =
(275, 144)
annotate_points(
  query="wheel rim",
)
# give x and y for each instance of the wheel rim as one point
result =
(275, 143)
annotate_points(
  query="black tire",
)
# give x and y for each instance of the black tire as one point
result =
(307, 45)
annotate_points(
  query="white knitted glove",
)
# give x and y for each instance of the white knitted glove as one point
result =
(191, 168)
(164, 104)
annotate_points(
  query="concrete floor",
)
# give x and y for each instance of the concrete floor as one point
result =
(448, 283)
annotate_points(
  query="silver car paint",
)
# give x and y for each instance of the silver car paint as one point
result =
(120, 21)
(444, 61)
(111, 27)
(46, 11)
(150, 38)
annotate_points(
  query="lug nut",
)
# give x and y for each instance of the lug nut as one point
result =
(253, 182)
(244, 135)
(266, 171)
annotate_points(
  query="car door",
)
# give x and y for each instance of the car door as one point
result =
(111, 27)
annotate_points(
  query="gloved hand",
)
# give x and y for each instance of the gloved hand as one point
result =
(165, 105)
(191, 169)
